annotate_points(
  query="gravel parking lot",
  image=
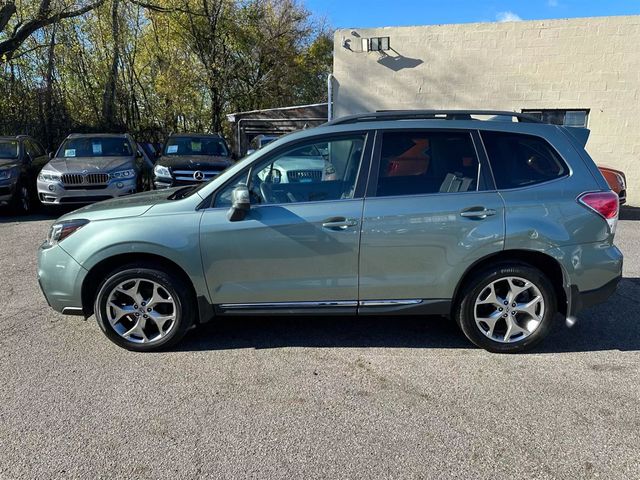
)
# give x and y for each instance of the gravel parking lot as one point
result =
(313, 397)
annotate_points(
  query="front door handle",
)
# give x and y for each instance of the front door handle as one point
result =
(339, 223)
(477, 212)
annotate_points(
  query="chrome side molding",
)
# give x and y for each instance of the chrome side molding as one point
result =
(251, 306)
(388, 303)
(327, 304)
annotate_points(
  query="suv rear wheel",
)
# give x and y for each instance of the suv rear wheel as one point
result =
(144, 308)
(507, 308)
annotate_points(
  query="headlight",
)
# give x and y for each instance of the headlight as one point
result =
(49, 177)
(61, 230)
(124, 174)
(161, 171)
(621, 181)
(7, 173)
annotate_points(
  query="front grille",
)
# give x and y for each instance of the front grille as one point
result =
(301, 176)
(85, 178)
(188, 175)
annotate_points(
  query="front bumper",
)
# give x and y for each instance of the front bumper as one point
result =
(55, 193)
(60, 278)
(160, 183)
(7, 188)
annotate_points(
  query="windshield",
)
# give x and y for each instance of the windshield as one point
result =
(95, 147)
(210, 146)
(8, 149)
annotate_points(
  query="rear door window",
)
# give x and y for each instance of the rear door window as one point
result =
(519, 160)
(425, 162)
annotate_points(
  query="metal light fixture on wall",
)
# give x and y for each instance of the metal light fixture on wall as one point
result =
(379, 44)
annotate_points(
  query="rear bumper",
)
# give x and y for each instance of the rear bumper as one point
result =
(581, 300)
(591, 273)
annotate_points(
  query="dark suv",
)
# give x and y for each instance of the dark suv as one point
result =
(21, 158)
(191, 158)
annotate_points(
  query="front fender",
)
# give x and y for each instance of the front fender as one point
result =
(174, 237)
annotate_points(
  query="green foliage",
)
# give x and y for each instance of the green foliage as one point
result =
(151, 67)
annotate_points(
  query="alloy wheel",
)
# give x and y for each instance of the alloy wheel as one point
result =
(141, 310)
(25, 202)
(509, 309)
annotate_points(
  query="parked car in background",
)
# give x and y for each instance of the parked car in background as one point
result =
(617, 181)
(191, 158)
(260, 141)
(150, 151)
(303, 165)
(500, 231)
(21, 158)
(89, 168)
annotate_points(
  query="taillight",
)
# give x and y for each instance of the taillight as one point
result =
(605, 204)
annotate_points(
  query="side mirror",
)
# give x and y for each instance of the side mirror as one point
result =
(250, 151)
(241, 203)
(139, 154)
(50, 155)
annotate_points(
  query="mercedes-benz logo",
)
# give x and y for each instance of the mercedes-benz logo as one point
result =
(198, 175)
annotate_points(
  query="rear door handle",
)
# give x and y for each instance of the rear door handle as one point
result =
(339, 223)
(477, 212)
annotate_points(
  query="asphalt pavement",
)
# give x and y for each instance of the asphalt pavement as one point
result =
(313, 397)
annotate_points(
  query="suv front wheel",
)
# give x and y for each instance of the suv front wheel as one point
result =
(507, 308)
(20, 203)
(144, 308)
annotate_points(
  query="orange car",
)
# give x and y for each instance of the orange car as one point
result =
(616, 180)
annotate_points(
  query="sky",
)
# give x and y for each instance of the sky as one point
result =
(381, 13)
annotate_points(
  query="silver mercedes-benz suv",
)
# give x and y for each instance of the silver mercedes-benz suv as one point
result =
(92, 167)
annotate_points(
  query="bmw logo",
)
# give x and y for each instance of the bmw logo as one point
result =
(198, 175)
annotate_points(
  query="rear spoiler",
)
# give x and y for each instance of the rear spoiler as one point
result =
(581, 134)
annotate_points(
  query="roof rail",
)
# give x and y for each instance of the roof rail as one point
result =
(381, 115)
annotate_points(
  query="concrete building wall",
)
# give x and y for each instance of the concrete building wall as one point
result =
(589, 63)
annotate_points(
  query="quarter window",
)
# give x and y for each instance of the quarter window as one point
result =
(416, 162)
(520, 160)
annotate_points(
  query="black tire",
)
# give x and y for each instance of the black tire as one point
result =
(183, 297)
(465, 315)
(21, 201)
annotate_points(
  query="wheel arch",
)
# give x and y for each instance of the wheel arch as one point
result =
(540, 260)
(97, 273)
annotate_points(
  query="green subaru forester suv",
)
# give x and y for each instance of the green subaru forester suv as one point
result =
(498, 224)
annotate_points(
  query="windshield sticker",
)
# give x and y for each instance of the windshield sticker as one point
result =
(172, 149)
(196, 147)
(97, 148)
(70, 152)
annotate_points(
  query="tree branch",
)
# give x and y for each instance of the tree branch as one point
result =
(9, 46)
(6, 12)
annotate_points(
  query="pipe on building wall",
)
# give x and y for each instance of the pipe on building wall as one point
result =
(330, 78)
